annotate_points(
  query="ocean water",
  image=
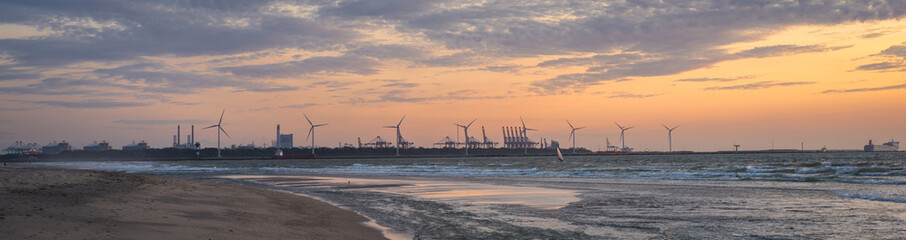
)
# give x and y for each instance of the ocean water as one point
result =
(726, 196)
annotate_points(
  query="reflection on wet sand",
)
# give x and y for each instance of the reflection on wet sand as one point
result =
(459, 192)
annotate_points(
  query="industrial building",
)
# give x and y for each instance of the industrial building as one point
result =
(136, 146)
(97, 147)
(190, 139)
(56, 148)
(284, 141)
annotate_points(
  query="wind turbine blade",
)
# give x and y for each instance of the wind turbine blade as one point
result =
(570, 124)
(618, 125)
(578, 128)
(459, 125)
(319, 125)
(401, 121)
(674, 127)
(530, 129)
(224, 131)
(211, 126)
(309, 133)
(221, 117)
(665, 126)
(390, 126)
(629, 128)
(470, 123)
(306, 118)
(523, 122)
(571, 135)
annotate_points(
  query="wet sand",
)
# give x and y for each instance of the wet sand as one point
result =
(576, 208)
(76, 204)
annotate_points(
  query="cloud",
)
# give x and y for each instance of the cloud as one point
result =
(405, 96)
(784, 50)
(630, 95)
(109, 31)
(882, 66)
(92, 104)
(759, 85)
(901, 86)
(390, 9)
(301, 106)
(713, 79)
(892, 59)
(398, 84)
(158, 122)
(8, 73)
(603, 68)
(314, 65)
(513, 69)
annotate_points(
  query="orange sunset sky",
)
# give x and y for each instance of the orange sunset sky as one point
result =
(818, 73)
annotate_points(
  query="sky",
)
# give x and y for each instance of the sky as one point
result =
(760, 73)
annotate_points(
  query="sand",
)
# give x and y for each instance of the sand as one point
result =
(77, 204)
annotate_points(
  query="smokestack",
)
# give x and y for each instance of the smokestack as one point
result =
(174, 140)
(278, 137)
(193, 137)
(178, 134)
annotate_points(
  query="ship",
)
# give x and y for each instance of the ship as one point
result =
(891, 146)
(279, 155)
(614, 150)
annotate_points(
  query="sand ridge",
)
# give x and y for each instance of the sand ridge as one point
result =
(76, 204)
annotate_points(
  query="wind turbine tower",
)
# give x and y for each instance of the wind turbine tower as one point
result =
(311, 133)
(525, 135)
(466, 130)
(670, 136)
(219, 129)
(623, 136)
(399, 137)
(572, 134)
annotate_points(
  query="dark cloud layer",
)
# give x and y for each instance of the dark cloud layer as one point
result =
(621, 39)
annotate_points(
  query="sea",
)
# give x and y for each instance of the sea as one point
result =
(836, 195)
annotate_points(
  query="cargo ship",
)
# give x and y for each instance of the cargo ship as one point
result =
(891, 146)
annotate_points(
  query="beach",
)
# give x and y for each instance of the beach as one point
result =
(716, 196)
(43, 203)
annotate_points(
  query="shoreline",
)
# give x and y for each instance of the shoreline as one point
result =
(64, 204)
(593, 154)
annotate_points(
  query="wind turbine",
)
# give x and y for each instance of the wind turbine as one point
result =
(311, 133)
(525, 135)
(572, 134)
(622, 136)
(466, 130)
(670, 136)
(399, 136)
(219, 129)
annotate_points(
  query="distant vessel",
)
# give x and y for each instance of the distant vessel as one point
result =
(891, 146)
(279, 155)
(559, 155)
(303, 156)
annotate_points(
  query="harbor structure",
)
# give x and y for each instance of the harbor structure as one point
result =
(21, 148)
(514, 137)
